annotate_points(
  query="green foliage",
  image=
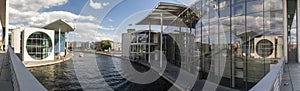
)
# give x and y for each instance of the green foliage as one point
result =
(105, 45)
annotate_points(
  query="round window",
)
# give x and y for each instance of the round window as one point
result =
(39, 45)
(264, 48)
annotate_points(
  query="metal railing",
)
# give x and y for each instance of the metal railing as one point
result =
(272, 81)
(22, 79)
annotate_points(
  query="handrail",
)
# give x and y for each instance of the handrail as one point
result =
(272, 81)
(22, 79)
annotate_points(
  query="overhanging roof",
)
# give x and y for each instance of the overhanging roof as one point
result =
(3, 9)
(59, 24)
(170, 14)
(144, 31)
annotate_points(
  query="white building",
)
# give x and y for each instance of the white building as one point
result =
(116, 46)
(41, 44)
(126, 42)
(35, 44)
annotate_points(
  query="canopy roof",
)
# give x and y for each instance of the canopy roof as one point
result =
(171, 15)
(59, 24)
(144, 31)
(3, 14)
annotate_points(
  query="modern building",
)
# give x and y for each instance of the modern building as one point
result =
(236, 41)
(34, 44)
(39, 44)
(142, 45)
(179, 49)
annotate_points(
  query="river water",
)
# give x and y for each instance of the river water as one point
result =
(94, 73)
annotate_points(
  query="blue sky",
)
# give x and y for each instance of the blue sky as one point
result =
(94, 20)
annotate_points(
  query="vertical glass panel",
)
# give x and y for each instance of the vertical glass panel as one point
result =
(292, 30)
(238, 40)
(271, 5)
(254, 6)
(257, 49)
(238, 8)
(236, 1)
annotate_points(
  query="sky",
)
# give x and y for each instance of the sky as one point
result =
(93, 20)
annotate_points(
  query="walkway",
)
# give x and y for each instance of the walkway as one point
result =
(291, 75)
(5, 78)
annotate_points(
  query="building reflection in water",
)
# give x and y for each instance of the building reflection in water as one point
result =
(235, 42)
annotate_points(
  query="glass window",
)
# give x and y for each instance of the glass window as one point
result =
(271, 5)
(238, 9)
(39, 45)
(254, 6)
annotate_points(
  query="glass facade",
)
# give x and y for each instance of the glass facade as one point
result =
(236, 40)
(62, 42)
(143, 43)
(39, 45)
(292, 17)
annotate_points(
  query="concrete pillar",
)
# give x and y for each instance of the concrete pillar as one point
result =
(285, 44)
(6, 24)
(149, 45)
(161, 39)
(59, 30)
(298, 28)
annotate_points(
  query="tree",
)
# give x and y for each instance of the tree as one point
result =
(105, 45)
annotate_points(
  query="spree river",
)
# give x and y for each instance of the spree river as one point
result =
(94, 73)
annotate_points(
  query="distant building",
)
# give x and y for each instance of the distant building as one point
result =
(83, 45)
(116, 46)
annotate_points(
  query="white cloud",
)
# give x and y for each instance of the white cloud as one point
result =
(111, 20)
(27, 13)
(85, 31)
(90, 26)
(90, 32)
(98, 5)
(106, 3)
(34, 5)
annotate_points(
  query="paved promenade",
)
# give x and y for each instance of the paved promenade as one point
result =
(291, 75)
(5, 78)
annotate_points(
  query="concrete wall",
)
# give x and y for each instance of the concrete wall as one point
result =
(126, 41)
(16, 39)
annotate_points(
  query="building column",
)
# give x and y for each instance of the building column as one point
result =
(285, 36)
(59, 30)
(149, 41)
(161, 39)
(298, 28)
(6, 25)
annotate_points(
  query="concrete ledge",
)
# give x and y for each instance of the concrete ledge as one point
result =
(31, 64)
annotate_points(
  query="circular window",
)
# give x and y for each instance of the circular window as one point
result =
(39, 45)
(264, 48)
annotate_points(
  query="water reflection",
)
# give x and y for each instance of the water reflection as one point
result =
(57, 77)
(106, 77)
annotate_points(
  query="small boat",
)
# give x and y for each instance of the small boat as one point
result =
(80, 54)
